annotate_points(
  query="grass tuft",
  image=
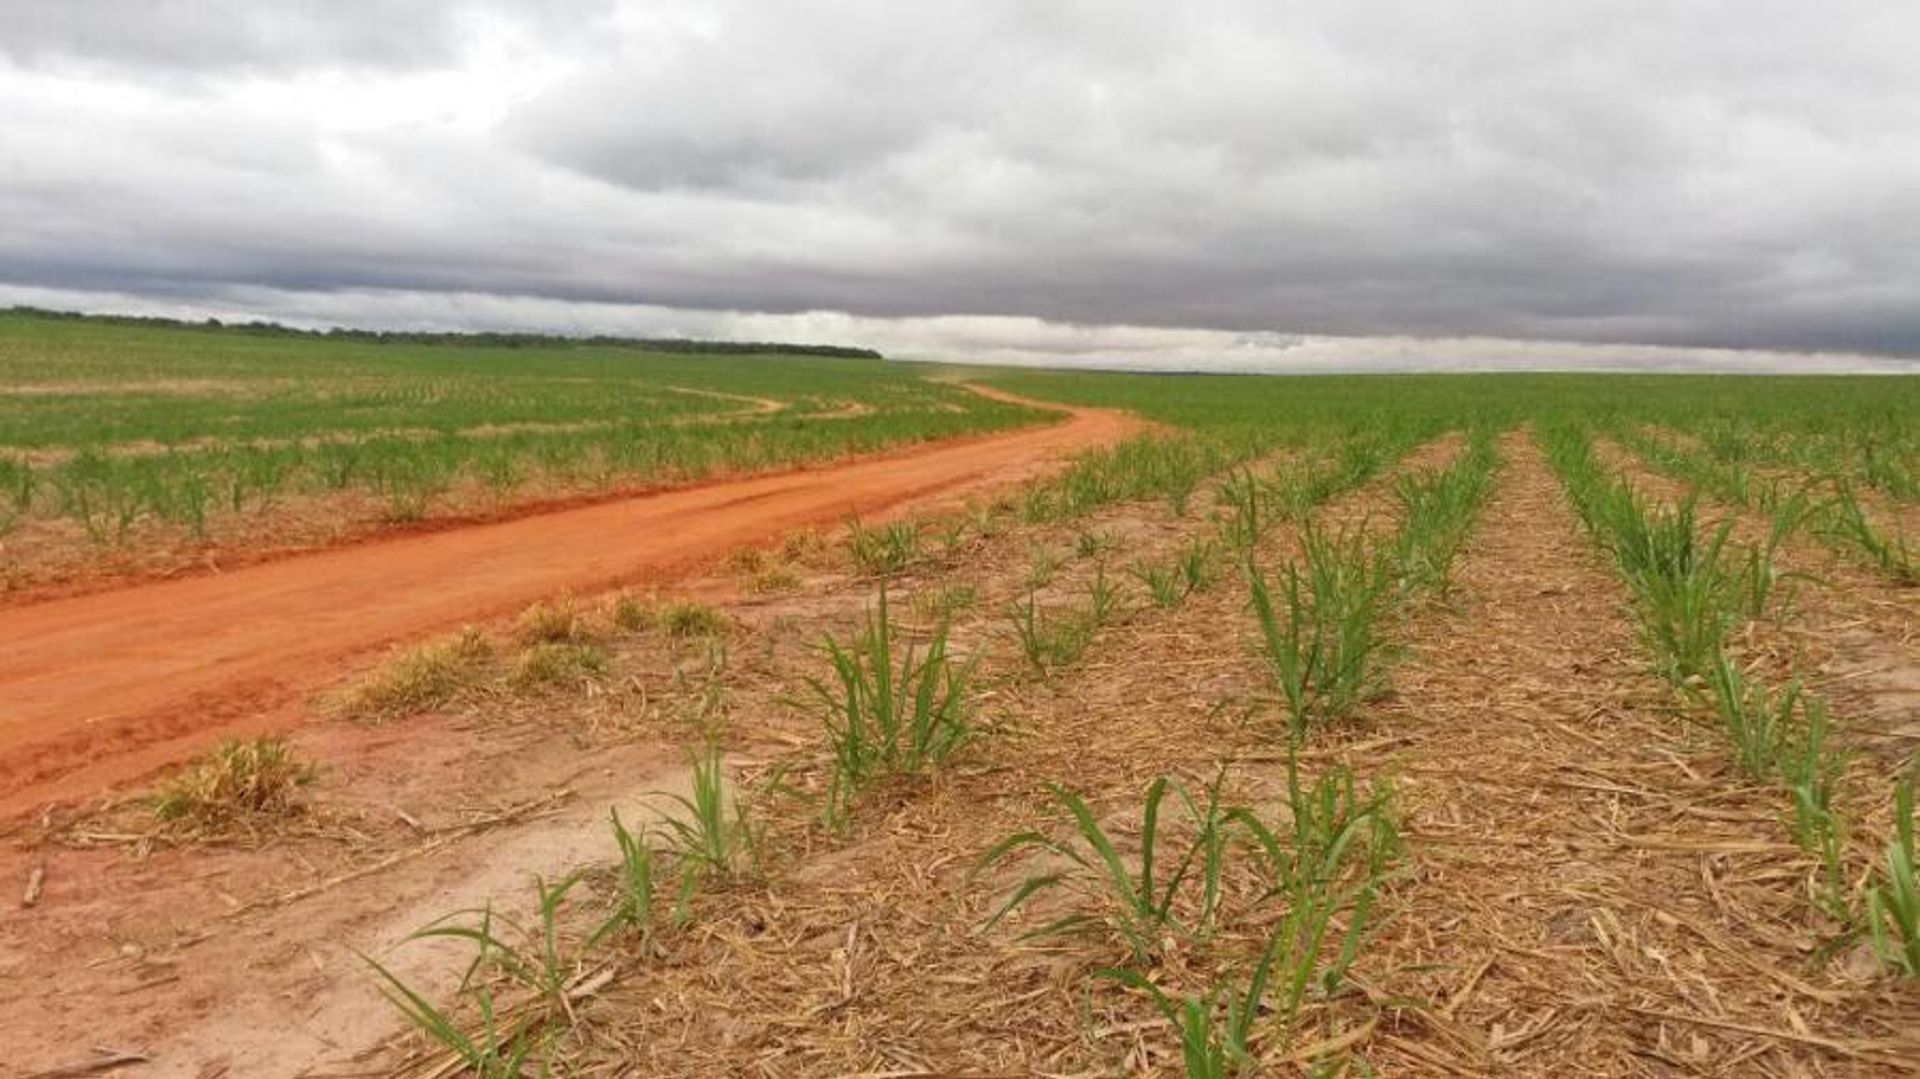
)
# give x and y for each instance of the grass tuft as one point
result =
(628, 614)
(419, 678)
(690, 618)
(884, 551)
(557, 664)
(238, 784)
(551, 622)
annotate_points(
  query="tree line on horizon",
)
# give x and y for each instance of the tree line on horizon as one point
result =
(476, 339)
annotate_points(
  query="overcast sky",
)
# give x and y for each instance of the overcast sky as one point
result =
(1250, 185)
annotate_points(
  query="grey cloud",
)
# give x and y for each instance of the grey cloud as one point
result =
(1715, 174)
(198, 37)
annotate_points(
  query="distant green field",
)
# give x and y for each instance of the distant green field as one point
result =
(1866, 428)
(121, 428)
(117, 426)
(1822, 406)
(1748, 440)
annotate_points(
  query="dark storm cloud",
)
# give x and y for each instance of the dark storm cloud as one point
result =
(1738, 174)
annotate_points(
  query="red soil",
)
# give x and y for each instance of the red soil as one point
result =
(100, 688)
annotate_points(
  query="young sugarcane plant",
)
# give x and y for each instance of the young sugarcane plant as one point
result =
(1893, 901)
(637, 881)
(716, 840)
(1248, 517)
(1135, 906)
(1161, 582)
(1763, 586)
(1688, 598)
(1845, 520)
(1211, 1049)
(1809, 769)
(886, 711)
(1328, 865)
(1048, 641)
(502, 1047)
(1324, 648)
(1756, 720)
(1340, 854)
(1436, 513)
(497, 1050)
(1103, 599)
(1197, 565)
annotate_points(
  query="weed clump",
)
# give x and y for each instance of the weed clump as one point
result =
(628, 614)
(689, 618)
(748, 561)
(773, 580)
(882, 552)
(419, 678)
(552, 622)
(236, 785)
(804, 546)
(554, 664)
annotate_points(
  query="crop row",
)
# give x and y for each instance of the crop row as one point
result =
(1693, 588)
(1885, 455)
(1826, 504)
(112, 496)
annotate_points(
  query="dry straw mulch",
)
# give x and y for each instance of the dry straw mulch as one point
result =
(1592, 890)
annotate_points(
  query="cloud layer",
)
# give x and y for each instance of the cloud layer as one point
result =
(1728, 174)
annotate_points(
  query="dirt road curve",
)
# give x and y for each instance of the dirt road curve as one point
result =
(100, 688)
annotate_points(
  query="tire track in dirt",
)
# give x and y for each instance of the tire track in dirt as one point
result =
(103, 687)
(1597, 893)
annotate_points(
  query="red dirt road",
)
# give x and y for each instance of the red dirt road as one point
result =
(104, 687)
